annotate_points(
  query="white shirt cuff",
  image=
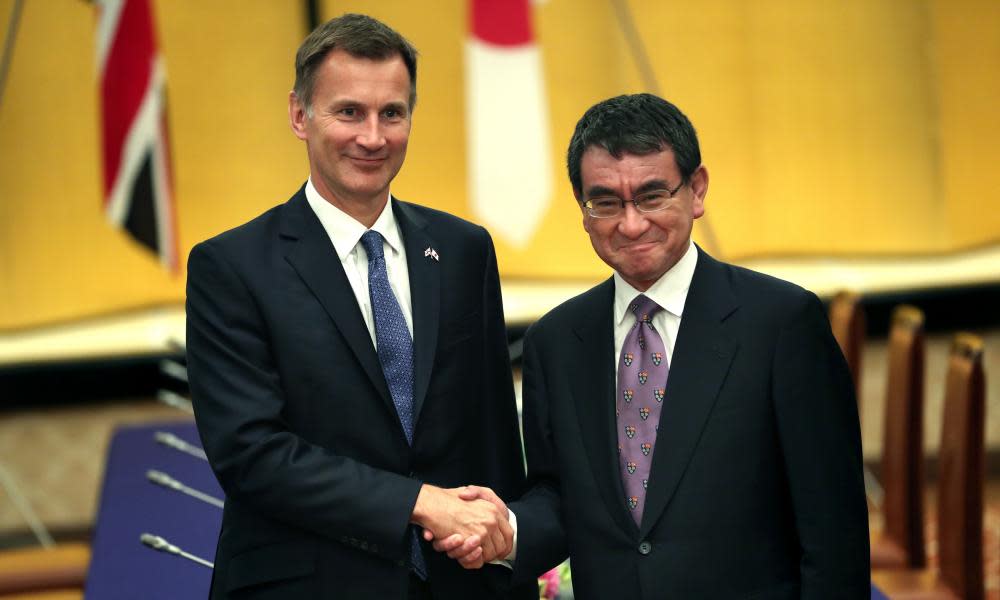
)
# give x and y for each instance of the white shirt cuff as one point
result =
(512, 519)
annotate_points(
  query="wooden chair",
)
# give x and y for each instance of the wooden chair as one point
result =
(64, 594)
(901, 544)
(847, 320)
(960, 489)
(57, 570)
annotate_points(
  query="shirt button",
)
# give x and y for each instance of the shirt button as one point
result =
(645, 548)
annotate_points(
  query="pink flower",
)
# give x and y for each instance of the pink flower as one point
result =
(549, 584)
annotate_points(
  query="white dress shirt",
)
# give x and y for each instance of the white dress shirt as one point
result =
(669, 291)
(345, 233)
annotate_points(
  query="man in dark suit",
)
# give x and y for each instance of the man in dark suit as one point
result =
(348, 358)
(690, 426)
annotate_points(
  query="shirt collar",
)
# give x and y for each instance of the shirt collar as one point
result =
(669, 291)
(345, 231)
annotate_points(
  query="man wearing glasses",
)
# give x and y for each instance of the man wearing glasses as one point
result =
(690, 426)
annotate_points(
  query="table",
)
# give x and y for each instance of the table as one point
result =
(122, 567)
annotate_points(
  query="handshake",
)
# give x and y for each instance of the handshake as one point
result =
(469, 523)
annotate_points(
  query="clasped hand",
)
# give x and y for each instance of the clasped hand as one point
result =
(468, 523)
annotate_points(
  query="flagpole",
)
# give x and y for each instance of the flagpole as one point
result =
(8, 47)
(311, 11)
(645, 66)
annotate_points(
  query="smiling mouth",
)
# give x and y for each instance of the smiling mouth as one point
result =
(368, 165)
(640, 246)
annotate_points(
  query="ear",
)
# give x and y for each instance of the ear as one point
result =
(297, 116)
(699, 187)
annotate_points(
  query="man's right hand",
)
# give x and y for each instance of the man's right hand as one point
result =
(465, 550)
(479, 526)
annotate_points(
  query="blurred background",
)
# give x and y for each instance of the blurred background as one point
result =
(851, 145)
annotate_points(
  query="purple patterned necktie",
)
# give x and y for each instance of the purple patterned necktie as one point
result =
(642, 379)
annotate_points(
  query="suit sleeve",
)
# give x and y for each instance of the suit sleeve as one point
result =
(503, 469)
(503, 454)
(258, 460)
(541, 541)
(820, 437)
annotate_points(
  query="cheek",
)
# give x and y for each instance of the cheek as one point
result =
(603, 240)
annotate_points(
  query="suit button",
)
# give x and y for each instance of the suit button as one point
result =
(645, 548)
(364, 545)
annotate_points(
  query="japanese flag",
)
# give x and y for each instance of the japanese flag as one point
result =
(510, 175)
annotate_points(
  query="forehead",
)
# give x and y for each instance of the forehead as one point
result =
(342, 74)
(599, 168)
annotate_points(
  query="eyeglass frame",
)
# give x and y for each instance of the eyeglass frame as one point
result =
(671, 194)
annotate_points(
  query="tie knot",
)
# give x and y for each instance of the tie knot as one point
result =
(644, 308)
(372, 241)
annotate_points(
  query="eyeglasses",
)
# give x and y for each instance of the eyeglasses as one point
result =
(606, 207)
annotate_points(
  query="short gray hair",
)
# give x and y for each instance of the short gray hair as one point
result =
(358, 35)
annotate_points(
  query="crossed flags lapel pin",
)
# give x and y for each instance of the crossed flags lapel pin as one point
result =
(431, 252)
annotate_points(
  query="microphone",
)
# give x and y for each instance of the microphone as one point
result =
(162, 479)
(175, 400)
(157, 543)
(21, 503)
(172, 441)
(174, 370)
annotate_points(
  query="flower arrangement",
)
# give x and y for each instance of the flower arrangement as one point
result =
(555, 584)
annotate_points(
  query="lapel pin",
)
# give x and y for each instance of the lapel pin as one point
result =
(431, 252)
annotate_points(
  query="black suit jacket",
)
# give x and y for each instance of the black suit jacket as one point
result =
(755, 489)
(296, 416)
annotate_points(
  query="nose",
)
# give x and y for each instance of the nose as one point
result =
(632, 224)
(370, 136)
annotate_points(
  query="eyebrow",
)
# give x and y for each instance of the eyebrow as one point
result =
(598, 190)
(654, 184)
(344, 102)
(649, 186)
(402, 107)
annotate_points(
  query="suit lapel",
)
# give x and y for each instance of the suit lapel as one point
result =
(594, 390)
(425, 297)
(701, 359)
(308, 249)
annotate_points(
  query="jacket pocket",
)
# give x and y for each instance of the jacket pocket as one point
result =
(275, 562)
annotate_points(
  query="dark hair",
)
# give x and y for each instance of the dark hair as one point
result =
(634, 124)
(358, 35)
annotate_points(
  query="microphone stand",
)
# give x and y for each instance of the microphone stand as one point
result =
(158, 543)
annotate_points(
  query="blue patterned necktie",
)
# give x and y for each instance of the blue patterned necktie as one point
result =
(395, 353)
(642, 380)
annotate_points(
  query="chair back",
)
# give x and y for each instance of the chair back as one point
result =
(847, 320)
(961, 474)
(903, 442)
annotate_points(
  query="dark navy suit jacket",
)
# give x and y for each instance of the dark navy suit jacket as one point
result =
(756, 486)
(297, 420)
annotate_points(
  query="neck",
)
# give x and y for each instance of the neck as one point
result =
(364, 210)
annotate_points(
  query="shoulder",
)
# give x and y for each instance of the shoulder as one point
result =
(583, 309)
(440, 223)
(251, 239)
(752, 289)
(252, 229)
